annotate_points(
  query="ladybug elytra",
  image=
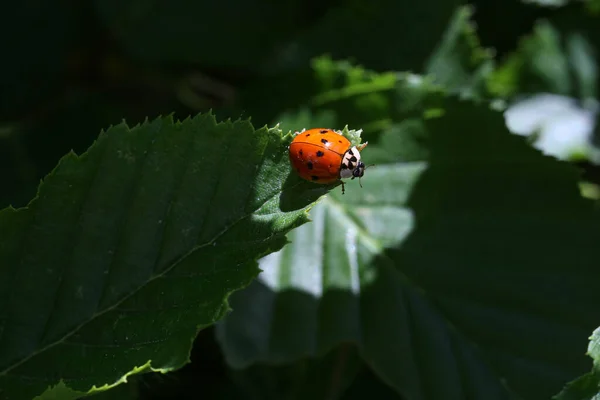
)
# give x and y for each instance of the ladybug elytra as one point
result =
(325, 156)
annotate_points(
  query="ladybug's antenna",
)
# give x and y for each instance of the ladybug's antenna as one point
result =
(366, 166)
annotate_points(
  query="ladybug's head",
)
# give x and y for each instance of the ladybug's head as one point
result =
(359, 171)
(352, 166)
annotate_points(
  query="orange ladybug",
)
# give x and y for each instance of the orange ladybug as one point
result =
(325, 156)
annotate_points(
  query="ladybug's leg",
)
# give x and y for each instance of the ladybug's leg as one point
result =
(343, 188)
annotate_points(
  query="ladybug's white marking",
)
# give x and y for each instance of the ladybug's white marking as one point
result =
(351, 166)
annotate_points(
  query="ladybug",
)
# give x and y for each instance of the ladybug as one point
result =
(325, 156)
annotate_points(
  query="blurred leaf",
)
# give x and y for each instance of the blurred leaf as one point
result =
(556, 125)
(586, 387)
(500, 25)
(593, 6)
(341, 94)
(131, 248)
(584, 65)
(559, 57)
(548, 3)
(459, 63)
(385, 35)
(455, 274)
(304, 118)
(354, 96)
(327, 88)
(590, 190)
(457, 60)
(539, 65)
(560, 3)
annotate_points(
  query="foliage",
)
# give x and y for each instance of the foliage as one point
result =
(588, 385)
(181, 257)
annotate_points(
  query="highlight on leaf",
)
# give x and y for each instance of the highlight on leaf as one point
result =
(132, 247)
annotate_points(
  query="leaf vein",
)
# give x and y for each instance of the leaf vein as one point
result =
(123, 223)
(67, 335)
(76, 239)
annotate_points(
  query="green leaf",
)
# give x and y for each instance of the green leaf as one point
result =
(465, 271)
(593, 6)
(558, 57)
(327, 88)
(338, 93)
(586, 387)
(548, 3)
(385, 35)
(354, 96)
(539, 65)
(459, 63)
(131, 248)
(560, 3)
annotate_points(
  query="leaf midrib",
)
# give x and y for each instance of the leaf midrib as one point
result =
(70, 333)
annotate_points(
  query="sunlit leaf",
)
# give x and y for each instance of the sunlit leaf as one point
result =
(131, 248)
(466, 272)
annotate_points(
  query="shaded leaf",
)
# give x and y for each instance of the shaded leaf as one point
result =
(539, 65)
(559, 57)
(459, 63)
(358, 97)
(131, 248)
(548, 3)
(334, 83)
(327, 88)
(467, 272)
(586, 387)
(385, 35)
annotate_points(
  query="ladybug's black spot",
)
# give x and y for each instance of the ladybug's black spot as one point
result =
(300, 152)
(320, 153)
(314, 178)
(344, 166)
(353, 158)
(323, 131)
(350, 152)
(309, 165)
(307, 135)
(324, 141)
(339, 141)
